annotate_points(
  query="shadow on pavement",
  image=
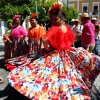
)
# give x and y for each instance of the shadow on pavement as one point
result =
(1, 48)
(95, 93)
(2, 64)
(11, 94)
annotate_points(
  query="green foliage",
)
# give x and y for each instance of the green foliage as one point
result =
(8, 8)
(70, 13)
(43, 11)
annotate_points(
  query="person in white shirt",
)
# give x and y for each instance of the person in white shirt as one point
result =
(97, 32)
(97, 40)
(94, 21)
(72, 24)
(77, 31)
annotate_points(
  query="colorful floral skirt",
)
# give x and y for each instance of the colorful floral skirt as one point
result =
(19, 47)
(58, 76)
(18, 61)
(8, 50)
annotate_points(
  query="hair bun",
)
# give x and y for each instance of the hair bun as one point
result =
(16, 16)
(56, 8)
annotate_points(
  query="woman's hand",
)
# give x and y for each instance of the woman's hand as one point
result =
(45, 44)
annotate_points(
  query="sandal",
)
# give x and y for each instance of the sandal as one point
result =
(1, 80)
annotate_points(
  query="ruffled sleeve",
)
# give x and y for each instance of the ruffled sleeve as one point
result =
(36, 33)
(59, 40)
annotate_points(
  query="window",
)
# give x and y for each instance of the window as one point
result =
(95, 8)
(71, 5)
(85, 7)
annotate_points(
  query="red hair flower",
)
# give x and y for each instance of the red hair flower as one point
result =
(34, 15)
(54, 9)
(16, 16)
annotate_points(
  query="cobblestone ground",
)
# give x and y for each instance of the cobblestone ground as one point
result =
(9, 93)
(6, 91)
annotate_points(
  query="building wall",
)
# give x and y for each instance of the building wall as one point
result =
(79, 4)
(3, 27)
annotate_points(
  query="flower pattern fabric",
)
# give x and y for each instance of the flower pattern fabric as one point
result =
(59, 76)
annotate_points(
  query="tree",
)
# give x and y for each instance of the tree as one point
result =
(70, 13)
(8, 8)
(43, 11)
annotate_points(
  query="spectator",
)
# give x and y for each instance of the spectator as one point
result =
(97, 32)
(94, 21)
(88, 35)
(72, 24)
(77, 31)
(97, 40)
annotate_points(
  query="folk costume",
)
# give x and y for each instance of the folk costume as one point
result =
(7, 41)
(35, 34)
(64, 73)
(18, 35)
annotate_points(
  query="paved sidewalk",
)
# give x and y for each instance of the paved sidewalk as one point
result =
(6, 91)
(9, 93)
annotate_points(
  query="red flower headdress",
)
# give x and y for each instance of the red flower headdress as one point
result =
(54, 9)
(16, 16)
(34, 15)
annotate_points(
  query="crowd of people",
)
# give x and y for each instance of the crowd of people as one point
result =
(87, 33)
(57, 64)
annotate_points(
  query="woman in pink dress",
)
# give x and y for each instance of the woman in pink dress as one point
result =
(18, 35)
(63, 73)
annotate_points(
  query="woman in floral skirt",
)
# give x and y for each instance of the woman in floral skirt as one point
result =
(7, 41)
(18, 35)
(35, 36)
(63, 73)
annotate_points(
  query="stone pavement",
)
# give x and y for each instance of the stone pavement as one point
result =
(6, 91)
(9, 93)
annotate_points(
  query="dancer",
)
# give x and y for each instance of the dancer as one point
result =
(35, 50)
(18, 35)
(63, 73)
(7, 41)
(35, 34)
